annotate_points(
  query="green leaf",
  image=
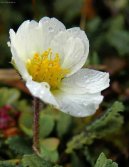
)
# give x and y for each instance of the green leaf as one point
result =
(94, 24)
(46, 122)
(50, 143)
(26, 122)
(119, 40)
(4, 164)
(34, 161)
(116, 23)
(19, 145)
(23, 106)
(63, 124)
(102, 161)
(48, 148)
(78, 141)
(110, 122)
(10, 163)
(51, 156)
(46, 125)
(8, 96)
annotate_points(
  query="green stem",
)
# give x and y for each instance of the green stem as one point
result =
(36, 126)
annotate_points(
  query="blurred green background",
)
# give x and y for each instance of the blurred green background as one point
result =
(106, 23)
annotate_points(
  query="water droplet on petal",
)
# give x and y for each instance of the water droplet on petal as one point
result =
(51, 29)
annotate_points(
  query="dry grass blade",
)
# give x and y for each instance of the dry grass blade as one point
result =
(12, 78)
(9, 75)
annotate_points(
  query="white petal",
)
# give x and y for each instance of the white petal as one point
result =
(41, 91)
(77, 32)
(33, 37)
(73, 47)
(86, 81)
(12, 37)
(50, 27)
(20, 65)
(78, 105)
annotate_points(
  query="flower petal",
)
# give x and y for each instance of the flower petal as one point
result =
(32, 37)
(50, 27)
(77, 32)
(73, 47)
(86, 81)
(20, 65)
(79, 105)
(41, 91)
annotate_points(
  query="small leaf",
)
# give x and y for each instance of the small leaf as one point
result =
(8, 96)
(51, 156)
(10, 163)
(34, 161)
(116, 23)
(119, 40)
(23, 106)
(102, 161)
(26, 122)
(46, 124)
(63, 124)
(110, 122)
(93, 24)
(19, 145)
(48, 148)
(50, 143)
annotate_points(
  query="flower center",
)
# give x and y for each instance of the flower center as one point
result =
(46, 68)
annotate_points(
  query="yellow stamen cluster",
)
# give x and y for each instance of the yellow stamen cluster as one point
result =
(46, 68)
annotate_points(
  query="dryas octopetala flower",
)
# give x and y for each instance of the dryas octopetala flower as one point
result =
(49, 58)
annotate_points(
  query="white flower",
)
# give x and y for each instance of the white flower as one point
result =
(49, 58)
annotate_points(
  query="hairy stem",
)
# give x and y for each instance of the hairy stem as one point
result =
(36, 126)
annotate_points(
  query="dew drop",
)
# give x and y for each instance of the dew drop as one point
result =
(51, 29)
